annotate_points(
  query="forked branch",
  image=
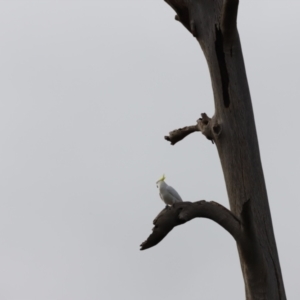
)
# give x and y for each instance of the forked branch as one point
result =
(182, 212)
(208, 126)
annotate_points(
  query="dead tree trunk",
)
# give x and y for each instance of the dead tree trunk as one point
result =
(232, 129)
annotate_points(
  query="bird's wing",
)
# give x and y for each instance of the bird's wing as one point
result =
(174, 194)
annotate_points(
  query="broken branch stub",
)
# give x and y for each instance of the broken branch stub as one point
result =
(179, 134)
(208, 126)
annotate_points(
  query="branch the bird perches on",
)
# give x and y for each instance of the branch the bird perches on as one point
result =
(180, 213)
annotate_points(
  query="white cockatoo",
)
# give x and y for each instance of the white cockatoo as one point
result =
(166, 192)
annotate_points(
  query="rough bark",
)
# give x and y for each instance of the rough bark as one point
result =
(232, 129)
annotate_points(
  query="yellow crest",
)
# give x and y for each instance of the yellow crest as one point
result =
(161, 179)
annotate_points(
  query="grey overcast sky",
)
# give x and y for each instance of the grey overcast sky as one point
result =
(88, 90)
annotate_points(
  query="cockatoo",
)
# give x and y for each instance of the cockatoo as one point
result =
(166, 192)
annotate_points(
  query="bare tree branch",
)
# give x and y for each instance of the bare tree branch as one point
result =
(179, 134)
(165, 221)
(216, 212)
(208, 126)
(182, 212)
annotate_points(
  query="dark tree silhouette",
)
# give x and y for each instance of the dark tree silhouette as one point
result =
(232, 129)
